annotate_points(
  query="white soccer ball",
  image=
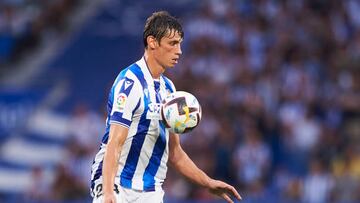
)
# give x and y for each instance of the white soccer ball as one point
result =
(180, 112)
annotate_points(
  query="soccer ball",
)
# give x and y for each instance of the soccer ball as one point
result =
(180, 112)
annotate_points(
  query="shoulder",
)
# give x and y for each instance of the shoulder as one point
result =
(128, 72)
(128, 76)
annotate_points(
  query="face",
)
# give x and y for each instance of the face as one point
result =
(168, 50)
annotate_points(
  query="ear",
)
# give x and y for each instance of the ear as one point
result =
(151, 42)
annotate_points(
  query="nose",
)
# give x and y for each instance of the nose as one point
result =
(178, 50)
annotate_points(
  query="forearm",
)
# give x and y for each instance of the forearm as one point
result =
(116, 140)
(110, 167)
(187, 168)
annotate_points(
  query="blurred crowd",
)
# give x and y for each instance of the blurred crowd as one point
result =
(71, 176)
(279, 84)
(25, 23)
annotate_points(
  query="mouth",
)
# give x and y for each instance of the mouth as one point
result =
(175, 60)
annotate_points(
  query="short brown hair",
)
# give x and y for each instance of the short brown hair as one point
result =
(158, 24)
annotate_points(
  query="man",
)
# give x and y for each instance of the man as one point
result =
(131, 164)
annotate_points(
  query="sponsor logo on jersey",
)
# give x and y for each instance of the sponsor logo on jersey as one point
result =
(154, 111)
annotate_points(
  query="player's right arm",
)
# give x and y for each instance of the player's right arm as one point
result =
(117, 137)
(126, 98)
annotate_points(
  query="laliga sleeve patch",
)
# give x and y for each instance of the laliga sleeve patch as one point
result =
(120, 102)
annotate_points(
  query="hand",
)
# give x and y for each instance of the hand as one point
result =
(223, 190)
(109, 198)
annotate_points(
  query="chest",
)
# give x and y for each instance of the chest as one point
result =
(151, 100)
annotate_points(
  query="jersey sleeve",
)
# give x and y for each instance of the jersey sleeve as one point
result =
(125, 101)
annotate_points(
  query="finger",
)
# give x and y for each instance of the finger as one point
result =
(234, 192)
(227, 198)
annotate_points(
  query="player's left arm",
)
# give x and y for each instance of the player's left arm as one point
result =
(182, 163)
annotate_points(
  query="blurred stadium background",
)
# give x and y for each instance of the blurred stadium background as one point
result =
(278, 82)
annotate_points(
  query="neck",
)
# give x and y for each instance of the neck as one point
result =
(154, 67)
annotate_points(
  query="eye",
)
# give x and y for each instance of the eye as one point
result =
(173, 43)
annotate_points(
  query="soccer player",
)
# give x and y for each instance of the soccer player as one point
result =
(132, 161)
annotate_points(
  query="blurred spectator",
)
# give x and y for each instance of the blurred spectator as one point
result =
(304, 136)
(347, 176)
(23, 24)
(318, 184)
(78, 165)
(39, 190)
(86, 128)
(252, 159)
(65, 187)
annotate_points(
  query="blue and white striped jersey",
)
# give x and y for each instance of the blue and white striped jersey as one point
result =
(134, 102)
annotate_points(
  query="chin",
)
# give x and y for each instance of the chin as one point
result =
(171, 66)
